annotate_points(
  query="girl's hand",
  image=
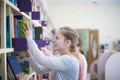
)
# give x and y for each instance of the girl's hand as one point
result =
(27, 53)
(46, 51)
(27, 31)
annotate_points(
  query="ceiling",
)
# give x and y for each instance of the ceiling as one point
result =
(82, 1)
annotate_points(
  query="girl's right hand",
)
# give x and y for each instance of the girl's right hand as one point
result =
(27, 53)
(27, 31)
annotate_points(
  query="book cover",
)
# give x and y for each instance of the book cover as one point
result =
(45, 76)
(21, 25)
(17, 20)
(33, 31)
(44, 23)
(9, 27)
(38, 33)
(15, 67)
(35, 15)
(8, 32)
(24, 5)
(19, 44)
(12, 23)
(40, 43)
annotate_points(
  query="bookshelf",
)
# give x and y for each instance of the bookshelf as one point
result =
(4, 49)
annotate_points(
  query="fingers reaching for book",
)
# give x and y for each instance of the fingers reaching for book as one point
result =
(27, 31)
(27, 53)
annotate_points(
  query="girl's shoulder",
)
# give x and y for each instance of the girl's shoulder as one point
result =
(69, 58)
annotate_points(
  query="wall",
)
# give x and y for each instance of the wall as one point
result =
(104, 17)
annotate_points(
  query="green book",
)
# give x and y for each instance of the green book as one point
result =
(21, 25)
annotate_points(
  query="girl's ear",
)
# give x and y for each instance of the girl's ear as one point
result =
(68, 43)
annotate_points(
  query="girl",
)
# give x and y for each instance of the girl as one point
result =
(63, 67)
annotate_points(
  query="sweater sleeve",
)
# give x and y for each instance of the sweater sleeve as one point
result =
(51, 62)
(38, 68)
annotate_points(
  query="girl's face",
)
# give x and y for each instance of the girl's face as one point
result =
(60, 43)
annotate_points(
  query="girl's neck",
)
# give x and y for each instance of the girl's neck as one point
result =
(64, 52)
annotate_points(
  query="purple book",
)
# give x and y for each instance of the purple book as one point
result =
(35, 15)
(47, 42)
(24, 5)
(45, 76)
(19, 44)
(40, 43)
(44, 23)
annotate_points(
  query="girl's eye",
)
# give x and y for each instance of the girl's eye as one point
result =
(57, 38)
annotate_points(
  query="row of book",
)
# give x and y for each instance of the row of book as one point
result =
(25, 5)
(19, 66)
(14, 35)
(15, 38)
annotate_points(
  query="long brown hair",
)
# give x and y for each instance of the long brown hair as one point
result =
(70, 34)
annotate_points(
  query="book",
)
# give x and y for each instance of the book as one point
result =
(40, 43)
(35, 15)
(24, 64)
(13, 2)
(45, 76)
(9, 27)
(19, 44)
(24, 5)
(44, 23)
(16, 27)
(8, 32)
(38, 33)
(15, 67)
(21, 25)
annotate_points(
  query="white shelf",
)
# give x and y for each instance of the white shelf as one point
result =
(12, 6)
(17, 11)
(29, 76)
(3, 50)
(6, 50)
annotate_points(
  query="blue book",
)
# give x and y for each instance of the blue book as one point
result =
(8, 36)
(33, 32)
(14, 65)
